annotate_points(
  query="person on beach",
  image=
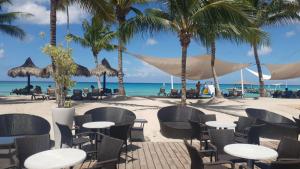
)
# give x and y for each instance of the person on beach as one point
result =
(198, 87)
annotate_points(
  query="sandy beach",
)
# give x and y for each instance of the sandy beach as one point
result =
(147, 107)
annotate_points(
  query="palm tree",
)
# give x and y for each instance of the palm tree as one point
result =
(185, 18)
(237, 33)
(6, 19)
(97, 36)
(266, 13)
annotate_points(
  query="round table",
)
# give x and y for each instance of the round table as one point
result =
(98, 124)
(55, 159)
(251, 152)
(221, 125)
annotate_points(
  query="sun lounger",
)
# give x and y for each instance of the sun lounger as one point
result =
(115, 91)
(51, 93)
(38, 94)
(85, 92)
(94, 95)
(174, 93)
(77, 94)
(190, 93)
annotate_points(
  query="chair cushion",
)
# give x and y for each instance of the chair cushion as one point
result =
(178, 125)
(80, 140)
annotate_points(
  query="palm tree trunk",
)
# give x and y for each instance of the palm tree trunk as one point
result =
(121, 21)
(97, 77)
(183, 74)
(53, 43)
(213, 58)
(260, 75)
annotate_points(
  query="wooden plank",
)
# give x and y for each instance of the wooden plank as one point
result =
(148, 156)
(173, 156)
(161, 156)
(154, 155)
(142, 158)
(179, 155)
(135, 160)
(183, 153)
(167, 156)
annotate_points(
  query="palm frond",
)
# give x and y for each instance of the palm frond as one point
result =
(12, 31)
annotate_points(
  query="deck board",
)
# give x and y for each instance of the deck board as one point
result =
(161, 155)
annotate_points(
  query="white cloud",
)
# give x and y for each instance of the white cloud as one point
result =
(151, 42)
(262, 51)
(1, 52)
(144, 71)
(290, 34)
(41, 12)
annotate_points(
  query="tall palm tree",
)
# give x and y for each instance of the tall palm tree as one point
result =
(97, 36)
(237, 33)
(268, 13)
(5, 21)
(185, 18)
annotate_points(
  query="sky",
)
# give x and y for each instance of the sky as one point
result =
(284, 47)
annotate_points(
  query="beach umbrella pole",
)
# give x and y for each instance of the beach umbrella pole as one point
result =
(242, 82)
(28, 83)
(104, 81)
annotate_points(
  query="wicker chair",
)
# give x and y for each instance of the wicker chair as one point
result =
(242, 126)
(288, 150)
(218, 140)
(68, 139)
(285, 164)
(174, 121)
(251, 135)
(29, 145)
(114, 114)
(121, 132)
(79, 121)
(197, 162)
(108, 152)
(198, 132)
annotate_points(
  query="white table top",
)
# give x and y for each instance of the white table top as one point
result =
(220, 124)
(251, 151)
(98, 124)
(55, 159)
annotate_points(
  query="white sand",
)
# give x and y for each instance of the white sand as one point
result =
(226, 110)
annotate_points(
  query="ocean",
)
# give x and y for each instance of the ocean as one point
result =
(132, 89)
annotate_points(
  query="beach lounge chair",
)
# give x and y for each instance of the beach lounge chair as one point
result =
(38, 94)
(85, 92)
(162, 91)
(94, 95)
(174, 93)
(190, 93)
(107, 92)
(51, 93)
(115, 91)
(77, 94)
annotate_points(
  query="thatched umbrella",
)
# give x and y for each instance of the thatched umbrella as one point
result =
(26, 70)
(81, 71)
(104, 69)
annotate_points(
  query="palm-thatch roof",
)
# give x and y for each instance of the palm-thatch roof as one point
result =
(103, 68)
(81, 70)
(27, 69)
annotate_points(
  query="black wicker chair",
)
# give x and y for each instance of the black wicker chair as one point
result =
(297, 122)
(242, 126)
(80, 120)
(108, 152)
(285, 165)
(198, 132)
(22, 125)
(197, 162)
(251, 135)
(77, 94)
(288, 150)
(121, 132)
(276, 126)
(218, 140)
(174, 121)
(68, 139)
(117, 115)
(29, 145)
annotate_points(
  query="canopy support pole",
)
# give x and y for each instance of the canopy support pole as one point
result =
(172, 82)
(104, 81)
(242, 82)
(28, 83)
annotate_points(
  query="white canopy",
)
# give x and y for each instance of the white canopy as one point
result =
(265, 77)
(198, 67)
(284, 71)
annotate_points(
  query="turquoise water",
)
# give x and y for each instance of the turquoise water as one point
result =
(132, 89)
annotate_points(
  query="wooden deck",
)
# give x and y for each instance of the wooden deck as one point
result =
(161, 155)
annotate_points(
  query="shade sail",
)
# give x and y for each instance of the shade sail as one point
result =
(197, 68)
(265, 77)
(284, 71)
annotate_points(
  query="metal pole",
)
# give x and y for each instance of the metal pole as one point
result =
(172, 82)
(242, 82)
